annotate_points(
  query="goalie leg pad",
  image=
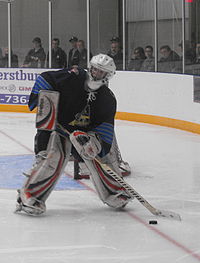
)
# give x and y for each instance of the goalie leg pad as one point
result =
(109, 190)
(41, 182)
(117, 201)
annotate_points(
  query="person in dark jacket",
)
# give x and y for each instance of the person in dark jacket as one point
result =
(36, 56)
(82, 54)
(137, 59)
(4, 59)
(59, 57)
(168, 54)
(73, 56)
(115, 52)
(86, 113)
(149, 62)
(170, 60)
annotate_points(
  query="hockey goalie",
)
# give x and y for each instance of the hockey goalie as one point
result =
(75, 115)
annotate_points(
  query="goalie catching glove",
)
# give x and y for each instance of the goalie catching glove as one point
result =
(86, 144)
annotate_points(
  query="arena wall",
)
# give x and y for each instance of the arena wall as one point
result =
(157, 98)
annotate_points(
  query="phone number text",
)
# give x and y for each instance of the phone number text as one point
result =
(14, 99)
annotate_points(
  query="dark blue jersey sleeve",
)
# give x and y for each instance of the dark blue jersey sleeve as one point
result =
(106, 133)
(40, 84)
(52, 80)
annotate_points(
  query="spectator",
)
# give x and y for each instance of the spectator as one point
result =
(168, 54)
(116, 54)
(190, 53)
(73, 57)
(59, 57)
(4, 59)
(149, 62)
(170, 60)
(137, 59)
(36, 56)
(82, 54)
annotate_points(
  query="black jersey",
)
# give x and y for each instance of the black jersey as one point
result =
(79, 108)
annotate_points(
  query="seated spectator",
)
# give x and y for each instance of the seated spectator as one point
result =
(149, 62)
(73, 56)
(36, 56)
(59, 57)
(82, 54)
(4, 59)
(170, 60)
(168, 54)
(190, 53)
(137, 59)
(116, 54)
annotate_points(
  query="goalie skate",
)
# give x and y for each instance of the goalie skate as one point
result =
(37, 208)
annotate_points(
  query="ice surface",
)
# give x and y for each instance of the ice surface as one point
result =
(79, 228)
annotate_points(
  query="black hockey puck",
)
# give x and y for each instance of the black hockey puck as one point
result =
(153, 222)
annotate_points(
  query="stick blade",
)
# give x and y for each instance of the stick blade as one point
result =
(167, 214)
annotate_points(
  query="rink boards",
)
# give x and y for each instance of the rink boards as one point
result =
(158, 98)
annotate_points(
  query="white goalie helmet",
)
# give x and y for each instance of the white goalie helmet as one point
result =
(101, 69)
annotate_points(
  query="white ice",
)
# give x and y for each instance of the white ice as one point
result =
(79, 228)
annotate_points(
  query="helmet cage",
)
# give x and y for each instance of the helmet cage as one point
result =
(97, 74)
(103, 63)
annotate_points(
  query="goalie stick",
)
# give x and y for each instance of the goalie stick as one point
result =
(130, 190)
(133, 193)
